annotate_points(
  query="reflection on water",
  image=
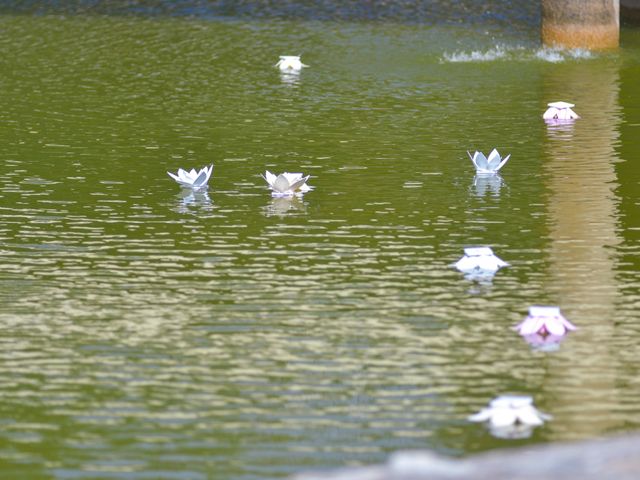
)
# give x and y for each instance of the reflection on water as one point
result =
(560, 129)
(292, 79)
(583, 229)
(487, 183)
(191, 200)
(544, 343)
(154, 332)
(282, 206)
(483, 277)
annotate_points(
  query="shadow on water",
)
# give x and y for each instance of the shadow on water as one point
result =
(508, 14)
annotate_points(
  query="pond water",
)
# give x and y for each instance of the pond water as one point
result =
(151, 332)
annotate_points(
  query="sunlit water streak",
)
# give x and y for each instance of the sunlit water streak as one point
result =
(149, 331)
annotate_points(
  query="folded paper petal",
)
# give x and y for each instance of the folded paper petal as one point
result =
(560, 105)
(479, 259)
(281, 184)
(193, 178)
(290, 63)
(509, 401)
(287, 184)
(554, 326)
(530, 325)
(482, 416)
(544, 321)
(560, 111)
(501, 417)
(503, 162)
(529, 416)
(508, 411)
(488, 165)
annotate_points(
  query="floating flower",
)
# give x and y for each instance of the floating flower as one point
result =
(560, 111)
(479, 260)
(511, 416)
(509, 410)
(287, 184)
(544, 321)
(488, 165)
(193, 178)
(290, 63)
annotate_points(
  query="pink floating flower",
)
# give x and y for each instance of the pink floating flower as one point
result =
(545, 321)
(560, 111)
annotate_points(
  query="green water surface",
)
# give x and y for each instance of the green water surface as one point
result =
(152, 332)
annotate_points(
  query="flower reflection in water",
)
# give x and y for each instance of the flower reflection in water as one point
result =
(291, 79)
(190, 200)
(484, 183)
(284, 206)
(544, 343)
(560, 129)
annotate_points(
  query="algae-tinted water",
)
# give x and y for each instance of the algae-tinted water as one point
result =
(151, 332)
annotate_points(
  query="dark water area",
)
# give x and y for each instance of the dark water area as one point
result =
(508, 14)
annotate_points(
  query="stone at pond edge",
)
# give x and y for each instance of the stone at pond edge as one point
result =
(615, 458)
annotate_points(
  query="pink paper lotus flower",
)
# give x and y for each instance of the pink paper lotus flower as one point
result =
(544, 321)
(560, 111)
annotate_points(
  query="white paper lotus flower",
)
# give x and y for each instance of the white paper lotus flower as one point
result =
(287, 184)
(508, 410)
(488, 165)
(544, 321)
(560, 111)
(290, 63)
(479, 260)
(193, 178)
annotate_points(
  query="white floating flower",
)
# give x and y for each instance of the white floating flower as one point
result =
(544, 321)
(287, 184)
(479, 260)
(560, 111)
(193, 178)
(290, 63)
(488, 165)
(509, 410)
